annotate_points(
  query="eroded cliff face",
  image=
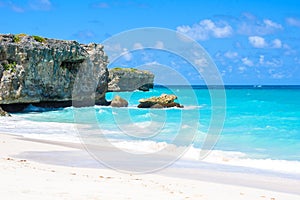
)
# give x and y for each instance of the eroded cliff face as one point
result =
(129, 79)
(40, 70)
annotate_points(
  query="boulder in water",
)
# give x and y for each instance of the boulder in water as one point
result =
(163, 101)
(118, 102)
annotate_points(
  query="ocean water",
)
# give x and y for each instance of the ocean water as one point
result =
(261, 129)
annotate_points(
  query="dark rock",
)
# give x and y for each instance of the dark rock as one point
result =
(118, 102)
(157, 106)
(16, 107)
(4, 113)
(173, 104)
(146, 87)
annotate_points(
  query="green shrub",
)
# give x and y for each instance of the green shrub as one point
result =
(39, 39)
(124, 69)
(10, 66)
(117, 69)
(17, 37)
(21, 35)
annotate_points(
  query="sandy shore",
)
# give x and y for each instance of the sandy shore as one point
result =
(31, 178)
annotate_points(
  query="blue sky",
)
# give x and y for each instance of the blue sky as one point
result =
(251, 42)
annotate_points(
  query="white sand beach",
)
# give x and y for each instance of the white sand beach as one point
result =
(23, 179)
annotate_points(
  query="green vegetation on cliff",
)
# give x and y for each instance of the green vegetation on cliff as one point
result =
(39, 39)
(120, 69)
(17, 37)
(10, 66)
(124, 69)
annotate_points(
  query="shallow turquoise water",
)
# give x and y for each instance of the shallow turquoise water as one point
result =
(261, 123)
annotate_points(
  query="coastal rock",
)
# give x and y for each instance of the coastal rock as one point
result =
(36, 70)
(129, 79)
(163, 101)
(157, 106)
(4, 113)
(118, 102)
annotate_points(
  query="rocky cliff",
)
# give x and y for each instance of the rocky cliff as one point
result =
(36, 70)
(129, 79)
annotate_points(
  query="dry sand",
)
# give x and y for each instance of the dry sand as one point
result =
(28, 179)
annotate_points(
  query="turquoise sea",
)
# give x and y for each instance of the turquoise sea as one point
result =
(261, 128)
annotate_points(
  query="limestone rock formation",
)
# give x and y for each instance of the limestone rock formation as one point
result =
(36, 70)
(163, 101)
(118, 102)
(129, 79)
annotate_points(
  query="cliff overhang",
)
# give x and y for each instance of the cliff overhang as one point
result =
(42, 71)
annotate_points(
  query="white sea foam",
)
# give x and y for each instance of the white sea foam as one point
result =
(230, 158)
(192, 107)
(41, 130)
(67, 132)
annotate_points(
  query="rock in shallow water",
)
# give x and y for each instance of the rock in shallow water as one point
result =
(163, 101)
(118, 102)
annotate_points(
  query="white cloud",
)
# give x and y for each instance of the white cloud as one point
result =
(223, 73)
(18, 7)
(257, 41)
(138, 45)
(274, 62)
(23, 6)
(271, 62)
(242, 69)
(246, 61)
(127, 55)
(270, 24)
(113, 47)
(229, 68)
(252, 26)
(261, 59)
(159, 45)
(100, 5)
(247, 24)
(152, 63)
(40, 4)
(297, 60)
(288, 50)
(277, 75)
(260, 42)
(206, 29)
(277, 43)
(231, 55)
(218, 32)
(196, 32)
(202, 62)
(293, 21)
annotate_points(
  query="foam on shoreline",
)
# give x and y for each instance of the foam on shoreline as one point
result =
(66, 132)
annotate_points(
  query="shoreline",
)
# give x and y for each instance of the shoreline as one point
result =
(21, 164)
(66, 135)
